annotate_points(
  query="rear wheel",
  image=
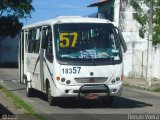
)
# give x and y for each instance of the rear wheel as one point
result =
(51, 100)
(108, 101)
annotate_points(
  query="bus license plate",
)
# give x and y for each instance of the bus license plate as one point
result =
(91, 96)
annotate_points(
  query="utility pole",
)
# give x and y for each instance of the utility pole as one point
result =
(149, 46)
(121, 16)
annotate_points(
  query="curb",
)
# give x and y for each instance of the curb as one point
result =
(141, 88)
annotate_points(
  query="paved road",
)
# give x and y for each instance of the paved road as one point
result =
(133, 101)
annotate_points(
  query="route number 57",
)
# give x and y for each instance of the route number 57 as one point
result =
(65, 39)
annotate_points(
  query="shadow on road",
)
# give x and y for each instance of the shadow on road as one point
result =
(18, 89)
(4, 111)
(119, 102)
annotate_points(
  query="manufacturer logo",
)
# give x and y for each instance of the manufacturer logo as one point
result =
(91, 73)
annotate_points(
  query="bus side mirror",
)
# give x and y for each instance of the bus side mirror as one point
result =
(122, 41)
(44, 42)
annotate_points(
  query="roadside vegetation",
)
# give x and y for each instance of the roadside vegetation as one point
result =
(155, 89)
(147, 14)
(11, 14)
(19, 103)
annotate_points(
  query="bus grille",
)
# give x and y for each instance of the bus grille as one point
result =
(92, 80)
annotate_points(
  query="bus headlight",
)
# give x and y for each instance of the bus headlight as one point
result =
(113, 81)
(63, 79)
(118, 79)
(68, 81)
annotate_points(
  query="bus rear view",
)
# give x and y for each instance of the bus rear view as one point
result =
(86, 60)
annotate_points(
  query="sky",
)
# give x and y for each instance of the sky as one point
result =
(49, 9)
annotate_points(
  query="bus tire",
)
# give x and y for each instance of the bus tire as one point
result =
(51, 99)
(29, 91)
(108, 101)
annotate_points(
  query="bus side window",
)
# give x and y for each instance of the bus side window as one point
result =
(49, 50)
(37, 42)
(34, 41)
(32, 34)
(26, 40)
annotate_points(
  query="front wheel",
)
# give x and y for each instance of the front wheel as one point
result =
(51, 100)
(29, 91)
(108, 101)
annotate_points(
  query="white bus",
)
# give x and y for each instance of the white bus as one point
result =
(72, 57)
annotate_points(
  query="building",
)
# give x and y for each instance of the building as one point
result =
(135, 59)
(9, 52)
(108, 9)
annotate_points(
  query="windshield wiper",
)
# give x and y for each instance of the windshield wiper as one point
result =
(110, 58)
(89, 56)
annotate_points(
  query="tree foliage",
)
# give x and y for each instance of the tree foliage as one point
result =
(142, 15)
(9, 26)
(11, 11)
(17, 8)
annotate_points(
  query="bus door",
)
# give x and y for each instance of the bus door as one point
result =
(21, 57)
(33, 57)
(46, 55)
(43, 36)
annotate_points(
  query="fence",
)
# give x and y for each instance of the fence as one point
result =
(135, 62)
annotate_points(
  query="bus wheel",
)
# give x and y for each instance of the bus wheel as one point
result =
(108, 101)
(29, 91)
(49, 96)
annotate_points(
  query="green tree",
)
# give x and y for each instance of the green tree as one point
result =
(18, 8)
(144, 18)
(9, 26)
(11, 11)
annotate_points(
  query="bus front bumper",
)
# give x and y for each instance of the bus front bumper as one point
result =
(81, 91)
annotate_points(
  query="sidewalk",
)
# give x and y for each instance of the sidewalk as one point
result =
(10, 110)
(140, 83)
(8, 107)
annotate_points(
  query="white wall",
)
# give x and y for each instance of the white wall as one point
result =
(156, 63)
(135, 59)
(127, 57)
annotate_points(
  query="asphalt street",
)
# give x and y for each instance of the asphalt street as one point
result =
(133, 102)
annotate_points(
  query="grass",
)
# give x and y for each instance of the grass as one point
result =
(19, 103)
(156, 89)
(126, 84)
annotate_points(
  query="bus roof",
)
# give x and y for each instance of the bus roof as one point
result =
(68, 19)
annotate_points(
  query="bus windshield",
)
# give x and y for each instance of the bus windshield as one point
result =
(96, 42)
